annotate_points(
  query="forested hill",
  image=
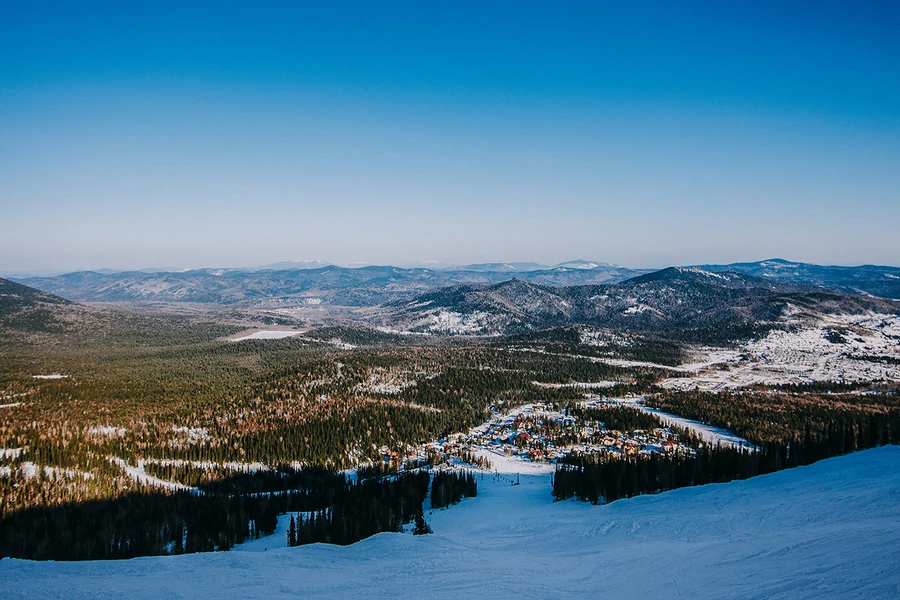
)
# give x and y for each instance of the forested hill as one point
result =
(685, 304)
(15, 296)
(875, 280)
(27, 309)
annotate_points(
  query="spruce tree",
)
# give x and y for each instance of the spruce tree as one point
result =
(292, 533)
(422, 527)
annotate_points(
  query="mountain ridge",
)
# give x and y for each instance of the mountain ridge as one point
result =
(687, 304)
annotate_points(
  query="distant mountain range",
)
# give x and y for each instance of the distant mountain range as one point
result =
(679, 303)
(687, 304)
(364, 286)
(873, 280)
(298, 283)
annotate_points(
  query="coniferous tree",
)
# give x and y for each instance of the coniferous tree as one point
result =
(422, 527)
(292, 532)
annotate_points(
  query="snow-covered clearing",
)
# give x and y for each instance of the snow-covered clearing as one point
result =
(827, 530)
(393, 331)
(30, 470)
(194, 435)
(336, 342)
(10, 405)
(141, 476)
(709, 434)
(501, 464)
(200, 464)
(444, 321)
(107, 431)
(386, 382)
(11, 452)
(266, 335)
(849, 348)
(615, 362)
(51, 376)
(582, 385)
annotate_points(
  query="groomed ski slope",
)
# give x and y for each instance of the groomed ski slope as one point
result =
(830, 530)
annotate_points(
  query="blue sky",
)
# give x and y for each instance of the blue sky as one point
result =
(236, 134)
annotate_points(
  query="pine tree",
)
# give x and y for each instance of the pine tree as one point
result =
(292, 533)
(422, 527)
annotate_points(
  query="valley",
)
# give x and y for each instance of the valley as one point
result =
(261, 413)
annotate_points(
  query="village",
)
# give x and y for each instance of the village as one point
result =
(540, 433)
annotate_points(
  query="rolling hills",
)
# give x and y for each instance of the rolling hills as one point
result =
(685, 304)
(26, 309)
(306, 283)
(331, 285)
(871, 280)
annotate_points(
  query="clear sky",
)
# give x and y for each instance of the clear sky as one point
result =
(235, 134)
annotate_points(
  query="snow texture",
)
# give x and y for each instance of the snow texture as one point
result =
(848, 348)
(827, 530)
(266, 335)
(140, 475)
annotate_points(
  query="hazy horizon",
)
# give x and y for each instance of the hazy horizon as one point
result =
(413, 265)
(646, 136)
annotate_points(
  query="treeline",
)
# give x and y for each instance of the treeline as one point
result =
(226, 513)
(215, 479)
(762, 417)
(605, 478)
(155, 522)
(135, 525)
(568, 340)
(369, 507)
(449, 487)
(621, 418)
(374, 506)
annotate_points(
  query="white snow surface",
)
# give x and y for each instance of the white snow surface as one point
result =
(11, 452)
(445, 321)
(140, 475)
(827, 530)
(31, 470)
(267, 335)
(588, 385)
(868, 352)
(107, 430)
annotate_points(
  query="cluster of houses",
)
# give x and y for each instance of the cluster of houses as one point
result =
(538, 433)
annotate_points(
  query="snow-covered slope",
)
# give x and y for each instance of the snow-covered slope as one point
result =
(828, 530)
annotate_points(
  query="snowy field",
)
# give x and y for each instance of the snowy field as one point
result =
(266, 335)
(451, 322)
(849, 348)
(829, 530)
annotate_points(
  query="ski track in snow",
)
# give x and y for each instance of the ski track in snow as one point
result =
(827, 530)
